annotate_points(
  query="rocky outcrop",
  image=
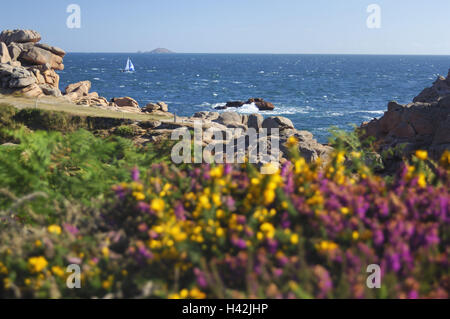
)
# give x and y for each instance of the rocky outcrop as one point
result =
(79, 94)
(158, 106)
(440, 88)
(28, 67)
(4, 53)
(261, 104)
(422, 124)
(279, 122)
(19, 36)
(308, 147)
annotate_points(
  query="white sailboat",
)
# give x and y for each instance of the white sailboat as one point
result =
(129, 68)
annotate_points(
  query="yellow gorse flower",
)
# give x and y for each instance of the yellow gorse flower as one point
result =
(268, 230)
(139, 196)
(326, 246)
(157, 205)
(423, 155)
(54, 229)
(37, 264)
(421, 181)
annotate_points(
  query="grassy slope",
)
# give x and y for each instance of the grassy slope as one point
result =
(59, 104)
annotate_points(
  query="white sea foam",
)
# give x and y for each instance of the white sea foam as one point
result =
(248, 109)
(367, 111)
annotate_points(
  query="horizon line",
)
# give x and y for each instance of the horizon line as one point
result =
(261, 53)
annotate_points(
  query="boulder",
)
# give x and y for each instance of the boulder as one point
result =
(4, 53)
(45, 75)
(150, 107)
(261, 104)
(50, 90)
(255, 121)
(234, 104)
(19, 36)
(14, 51)
(163, 106)
(39, 56)
(205, 115)
(52, 49)
(125, 102)
(230, 119)
(158, 106)
(32, 90)
(280, 122)
(15, 77)
(440, 88)
(80, 88)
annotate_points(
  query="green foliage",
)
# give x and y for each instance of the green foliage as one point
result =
(351, 142)
(7, 113)
(38, 119)
(126, 131)
(76, 166)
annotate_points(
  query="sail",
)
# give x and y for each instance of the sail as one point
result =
(129, 67)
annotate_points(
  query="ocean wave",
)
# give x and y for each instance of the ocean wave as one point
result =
(248, 109)
(368, 111)
(252, 108)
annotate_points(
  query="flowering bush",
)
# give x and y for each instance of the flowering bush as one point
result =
(306, 231)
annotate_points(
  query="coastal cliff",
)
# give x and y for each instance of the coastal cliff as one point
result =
(422, 124)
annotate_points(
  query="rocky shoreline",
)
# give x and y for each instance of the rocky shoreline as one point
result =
(28, 68)
(422, 124)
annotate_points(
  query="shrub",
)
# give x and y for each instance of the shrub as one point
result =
(7, 113)
(38, 119)
(126, 131)
(221, 231)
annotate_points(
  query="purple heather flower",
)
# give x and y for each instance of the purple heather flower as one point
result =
(227, 169)
(394, 262)
(239, 243)
(144, 207)
(201, 278)
(241, 219)
(413, 294)
(180, 212)
(135, 174)
(71, 229)
(277, 272)
(145, 252)
(272, 245)
(378, 237)
(230, 203)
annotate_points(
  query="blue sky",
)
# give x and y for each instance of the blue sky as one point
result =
(238, 26)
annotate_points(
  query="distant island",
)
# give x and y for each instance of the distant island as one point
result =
(158, 51)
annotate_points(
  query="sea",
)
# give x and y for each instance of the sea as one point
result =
(315, 91)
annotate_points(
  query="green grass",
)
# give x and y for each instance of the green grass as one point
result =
(60, 104)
